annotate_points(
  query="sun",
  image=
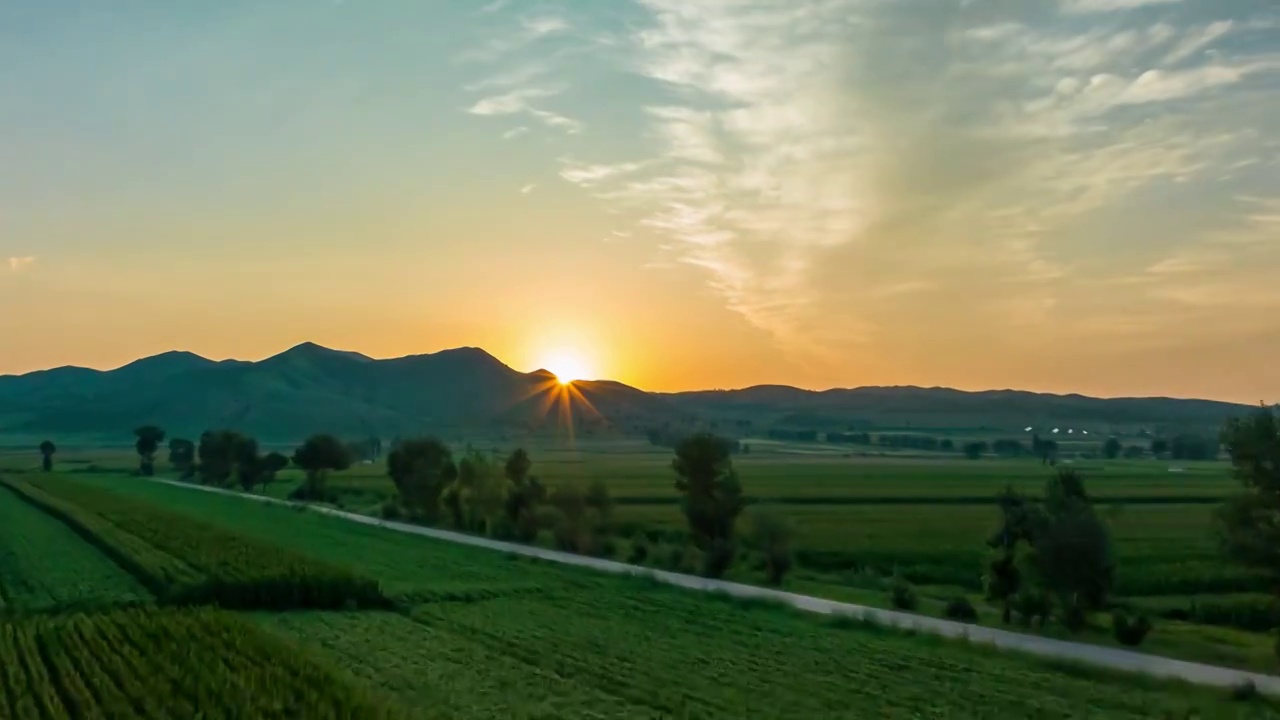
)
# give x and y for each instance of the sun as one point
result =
(567, 365)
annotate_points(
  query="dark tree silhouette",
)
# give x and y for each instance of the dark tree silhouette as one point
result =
(421, 469)
(319, 455)
(1248, 524)
(182, 456)
(148, 441)
(712, 496)
(1111, 448)
(47, 451)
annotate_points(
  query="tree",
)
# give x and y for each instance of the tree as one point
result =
(224, 456)
(1159, 447)
(47, 450)
(182, 456)
(1073, 549)
(1248, 525)
(1111, 449)
(148, 441)
(975, 450)
(1046, 450)
(248, 464)
(319, 455)
(271, 464)
(524, 496)
(1134, 452)
(1018, 517)
(421, 469)
(1186, 446)
(772, 534)
(712, 496)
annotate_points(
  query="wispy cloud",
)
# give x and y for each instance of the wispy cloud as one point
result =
(520, 101)
(17, 264)
(528, 189)
(830, 164)
(1096, 6)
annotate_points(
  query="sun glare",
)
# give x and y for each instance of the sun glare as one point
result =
(567, 366)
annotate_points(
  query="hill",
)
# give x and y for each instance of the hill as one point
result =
(310, 388)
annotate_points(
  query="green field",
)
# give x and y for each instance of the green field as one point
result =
(45, 565)
(461, 632)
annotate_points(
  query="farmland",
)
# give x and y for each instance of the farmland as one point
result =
(414, 624)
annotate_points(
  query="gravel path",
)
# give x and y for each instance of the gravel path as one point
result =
(1106, 657)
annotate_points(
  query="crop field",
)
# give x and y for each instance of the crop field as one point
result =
(44, 564)
(162, 665)
(471, 633)
(644, 476)
(194, 563)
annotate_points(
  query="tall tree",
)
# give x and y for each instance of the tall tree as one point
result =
(712, 496)
(421, 469)
(772, 534)
(1073, 549)
(1248, 524)
(1159, 447)
(47, 450)
(223, 456)
(1111, 448)
(1018, 518)
(525, 494)
(148, 441)
(182, 456)
(319, 455)
(271, 464)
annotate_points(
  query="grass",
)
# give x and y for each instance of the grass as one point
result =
(593, 629)
(164, 664)
(184, 561)
(44, 565)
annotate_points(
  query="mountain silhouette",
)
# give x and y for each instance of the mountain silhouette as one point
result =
(310, 388)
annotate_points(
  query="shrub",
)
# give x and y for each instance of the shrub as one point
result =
(1032, 605)
(959, 608)
(718, 558)
(391, 510)
(1129, 631)
(1244, 692)
(639, 550)
(903, 595)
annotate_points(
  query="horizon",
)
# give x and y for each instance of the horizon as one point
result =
(1064, 196)
(644, 389)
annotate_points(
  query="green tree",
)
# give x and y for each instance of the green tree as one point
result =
(1159, 447)
(421, 469)
(148, 441)
(248, 464)
(1248, 524)
(1111, 448)
(1072, 549)
(182, 456)
(1004, 578)
(317, 457)
(772, 534)
(47, 451)
(712, 496)
(222, 455)
(269, 465)
(975, 450)
(525, 494)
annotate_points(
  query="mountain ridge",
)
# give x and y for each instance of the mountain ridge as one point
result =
(309, 388)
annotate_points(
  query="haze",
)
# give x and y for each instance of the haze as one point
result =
(1067, 195)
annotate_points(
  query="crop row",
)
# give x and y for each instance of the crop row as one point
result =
(407, 566)
(80, 576)
(187, 562)
(164, 664)
(709, 660)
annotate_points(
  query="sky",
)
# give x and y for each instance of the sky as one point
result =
(1052, 195)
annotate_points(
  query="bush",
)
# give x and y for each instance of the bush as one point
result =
(1031, 605)
(718, 558)
(903, 595)
(1130, 632)
(959, 608)
(1244, 692)
(639, 550)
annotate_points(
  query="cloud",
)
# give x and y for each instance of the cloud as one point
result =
(514, 132)
(17, 264)
(838, 167)
(527, 189)
(518, 101)
(1078, 7)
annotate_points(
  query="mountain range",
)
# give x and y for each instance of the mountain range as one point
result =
(310, 388)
